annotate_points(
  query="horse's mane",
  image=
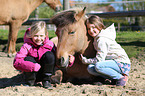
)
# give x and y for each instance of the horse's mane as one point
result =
(65, 17)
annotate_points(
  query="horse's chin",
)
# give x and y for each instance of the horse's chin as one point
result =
(66, 63)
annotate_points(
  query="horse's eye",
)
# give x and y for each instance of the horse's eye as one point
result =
(71, 32)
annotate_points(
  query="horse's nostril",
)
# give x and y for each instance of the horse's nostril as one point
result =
(62, 60)
(59, 60)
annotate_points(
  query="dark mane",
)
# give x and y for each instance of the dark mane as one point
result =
(63, 18)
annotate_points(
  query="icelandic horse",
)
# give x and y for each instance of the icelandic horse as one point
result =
(73, 39)
(16, 12)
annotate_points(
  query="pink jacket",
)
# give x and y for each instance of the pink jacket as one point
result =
(31, 49)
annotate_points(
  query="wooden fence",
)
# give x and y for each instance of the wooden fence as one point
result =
(135, 13)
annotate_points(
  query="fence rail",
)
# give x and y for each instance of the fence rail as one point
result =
(105, 15)
(29, 22)
(134, 13)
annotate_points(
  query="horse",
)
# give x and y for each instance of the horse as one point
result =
(73, 39)
(16, 12)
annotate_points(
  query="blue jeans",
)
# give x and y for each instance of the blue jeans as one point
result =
(106, 69)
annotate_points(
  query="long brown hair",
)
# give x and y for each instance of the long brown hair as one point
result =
(97, 21)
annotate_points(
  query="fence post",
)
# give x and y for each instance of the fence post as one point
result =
(66, 4)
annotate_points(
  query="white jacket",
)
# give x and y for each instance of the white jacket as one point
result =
(107, 48)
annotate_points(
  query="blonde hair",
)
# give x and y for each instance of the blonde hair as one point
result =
(97, 21)
(36, 27)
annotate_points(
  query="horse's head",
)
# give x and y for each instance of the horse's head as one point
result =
(71, 32)
(54, 4)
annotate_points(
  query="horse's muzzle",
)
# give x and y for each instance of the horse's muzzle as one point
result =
(63, 62)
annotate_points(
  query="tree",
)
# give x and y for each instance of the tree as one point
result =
(44, 11)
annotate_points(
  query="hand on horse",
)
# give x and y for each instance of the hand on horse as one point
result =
(83, 59)
(71, 60)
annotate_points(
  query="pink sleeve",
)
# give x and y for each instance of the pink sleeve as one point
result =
(25, 66)
(23, 51)
(19, 62)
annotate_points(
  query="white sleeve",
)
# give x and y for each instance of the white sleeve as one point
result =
(89, 61)
(102, 48)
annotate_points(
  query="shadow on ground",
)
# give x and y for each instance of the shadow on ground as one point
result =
(15, 80)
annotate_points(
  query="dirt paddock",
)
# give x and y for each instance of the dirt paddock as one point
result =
(11, 83)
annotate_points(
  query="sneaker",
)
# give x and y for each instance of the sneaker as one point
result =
(107, 81)
(30, 83)
(113, 82)
(47, 85)
(122, 81)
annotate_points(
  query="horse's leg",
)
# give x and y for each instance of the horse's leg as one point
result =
(13, 32)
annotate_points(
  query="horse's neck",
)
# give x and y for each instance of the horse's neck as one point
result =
(89, 50)
(33, 4)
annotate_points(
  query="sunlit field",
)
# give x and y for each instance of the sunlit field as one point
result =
(132, 41)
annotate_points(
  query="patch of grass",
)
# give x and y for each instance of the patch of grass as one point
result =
(132, 42)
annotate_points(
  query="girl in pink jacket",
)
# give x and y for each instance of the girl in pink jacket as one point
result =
(37, 55)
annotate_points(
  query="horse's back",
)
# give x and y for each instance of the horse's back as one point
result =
(13, 10)
(54, 40)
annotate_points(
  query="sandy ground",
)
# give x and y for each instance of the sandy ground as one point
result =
(11, 83)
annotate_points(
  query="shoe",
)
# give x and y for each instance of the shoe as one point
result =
(30, 82)
(98, 83)
(47, 85)
(122, 81)
(57, 78)
(30, 78)
(113, 82)
(107, 81)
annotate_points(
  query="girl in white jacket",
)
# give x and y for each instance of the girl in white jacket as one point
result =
(111, 60)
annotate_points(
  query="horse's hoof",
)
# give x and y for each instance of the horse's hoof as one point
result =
(57, 78)
(10, 55)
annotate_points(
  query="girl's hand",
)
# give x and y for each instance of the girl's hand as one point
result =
(83, 59)
(81, 56)
(71, 60)
(37, 67)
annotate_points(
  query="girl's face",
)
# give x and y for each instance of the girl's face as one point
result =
(39, 37)
(92, 30)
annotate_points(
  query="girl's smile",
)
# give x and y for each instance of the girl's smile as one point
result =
(92, 30)
(39, 37)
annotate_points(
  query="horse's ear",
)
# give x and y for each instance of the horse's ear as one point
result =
(80, 14)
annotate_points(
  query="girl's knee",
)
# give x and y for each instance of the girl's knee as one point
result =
(90, 67)
(48, 55)
(98, 66)
(48, 58)
(91, 70)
